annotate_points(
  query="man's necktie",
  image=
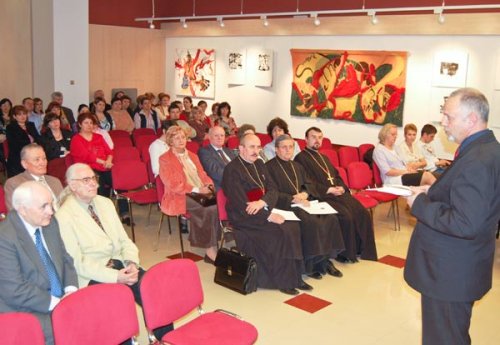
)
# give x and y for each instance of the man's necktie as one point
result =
(223, 156)
(55, 203)
(95, 217)
(55, 283)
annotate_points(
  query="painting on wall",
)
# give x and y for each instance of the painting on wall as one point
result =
(449, 69)
(359, 86)
(263, 74)
(195, 73)
(236, 66)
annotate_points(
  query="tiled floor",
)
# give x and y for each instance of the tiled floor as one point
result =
(371, 304)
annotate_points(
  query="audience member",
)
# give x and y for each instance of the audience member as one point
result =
(355, 221)
(225, 120)
(55, 140)
(434, 164)
(120, 118)
(99, 94)
(66, 113)
(409, 151)
(203, 108)
(36, 270)
(216, 156)
(20, 133)
(94, 236)
(214, 117)
(393, 169)
(260, 233)
(181, 172)
(146, 117)
(104, 119)
(275, 128)
(158, 148)
(33, 159)
(321, 234)
(5, 112)
(127, 105)
(162, 108)
(36, 119)
(55, 108)
(187, 102)
(199, 125)
(452, 249)
(174, 113)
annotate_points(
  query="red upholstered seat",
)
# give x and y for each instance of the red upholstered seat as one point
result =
(347, 155)
(126, 153)
(20, 329)
(233, 142)
(332, 156)
(193, 146)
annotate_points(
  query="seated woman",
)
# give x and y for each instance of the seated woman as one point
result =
(120, 118)
(19, 133)
(409, 151)
(55, 140)
(275, 128)
(55, 107)
(162, 107)
(105, 121)
(199, 125)
(225, 120)
(5, 111)
(393, 169)
(181, 172)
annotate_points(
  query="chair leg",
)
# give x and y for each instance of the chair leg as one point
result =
(131, 220)
(158, 232)
(149, 214)
(169, 226)
(222, 237)
(397, 213)
(180, 236)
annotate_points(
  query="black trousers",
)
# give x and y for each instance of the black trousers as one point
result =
(158, 332)
(445, 322)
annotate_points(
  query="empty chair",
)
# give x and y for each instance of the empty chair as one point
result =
(332, 156)
(360, 178)
(115, 133)
(142, 131)
(127, 153)
(20, 329)
(172, 289)
(347, 155)
(233, 142)
(103, 314)
(122, 142)
(144, 140)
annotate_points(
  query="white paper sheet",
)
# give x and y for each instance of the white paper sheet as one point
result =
(288, 215)
(317, 207)
(395, 189)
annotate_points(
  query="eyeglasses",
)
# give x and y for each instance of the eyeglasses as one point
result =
(87, 180)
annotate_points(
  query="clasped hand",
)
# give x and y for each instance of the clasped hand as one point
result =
(254, 206)
(128, 275)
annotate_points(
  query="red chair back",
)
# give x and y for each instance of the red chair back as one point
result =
(343, 176)
(69, 160)
(193, 146)
(332, 156)
(359, 174)
(5, 147)
(57, 168)
(347, 155)
(376, 175)
(160, 188)
(205, 143)
(221, 205)
(264, 138)
(96, 314)
(142, 131)
(122, 142)
(301, 143)
(363, 148)
(170, 290)
(233, 142)
(20, 329)
(127, 153)
(3, 205)
(129, 175)
(146, 158)
(115, 133)
(326, 144)
(144, 140)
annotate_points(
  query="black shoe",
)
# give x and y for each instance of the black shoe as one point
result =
(333, 271)
(315, 275)
(292, 291)
(344, 260)
(304, 286)
(126, 220)
(208, 260)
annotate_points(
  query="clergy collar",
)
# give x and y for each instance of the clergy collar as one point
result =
(244, 160)
(312, 150)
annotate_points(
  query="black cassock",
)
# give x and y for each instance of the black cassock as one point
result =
(321, 234)
(356, 223)
(276, 248)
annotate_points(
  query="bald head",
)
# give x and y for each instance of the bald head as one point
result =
(217, 136)
(33, 202)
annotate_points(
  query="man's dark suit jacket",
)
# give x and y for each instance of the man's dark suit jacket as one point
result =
(213, 164)
(24, 283)
(452, 248)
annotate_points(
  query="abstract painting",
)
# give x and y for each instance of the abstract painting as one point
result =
(236, 66)
(195, 73)
(359, 86)
(263, 74)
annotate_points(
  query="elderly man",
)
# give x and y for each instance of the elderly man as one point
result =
(215, 156)
(452, 249)
(34, 162)
(58, 97)
(94, 235)
(265, 235)
(321, 234)
(36, 271)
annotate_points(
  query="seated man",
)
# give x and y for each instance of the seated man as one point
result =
(36, 270)
(34, 162)
(158, 147)
(146, 117)
(215, 157)
(94, 235)
(434, 164)
(273, 242)
(174, 114)
(321, 234)
(356, 223)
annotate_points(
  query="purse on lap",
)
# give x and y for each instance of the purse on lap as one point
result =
(204, 200)
(236, 271)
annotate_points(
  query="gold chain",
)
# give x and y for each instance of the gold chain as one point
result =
(296, 185)
(260, 183)
(325, 168)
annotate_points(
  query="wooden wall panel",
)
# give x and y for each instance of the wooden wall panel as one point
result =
(126, 57)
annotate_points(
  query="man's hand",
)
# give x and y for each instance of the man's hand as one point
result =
(276, 218)
(255, 206)
(300, 198)
(128, 275)
(416, 192)
(443, 163)
(339, 190)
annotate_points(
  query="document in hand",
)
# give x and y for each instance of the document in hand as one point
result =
(288, 215)
(316, 207)
(395, 189)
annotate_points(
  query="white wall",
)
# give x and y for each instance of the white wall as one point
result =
(258, 105)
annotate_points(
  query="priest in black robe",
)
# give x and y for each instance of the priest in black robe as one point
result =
(321, 234)
(356, 223)
(273, 242)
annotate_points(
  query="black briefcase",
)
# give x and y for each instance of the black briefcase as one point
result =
(236, 271)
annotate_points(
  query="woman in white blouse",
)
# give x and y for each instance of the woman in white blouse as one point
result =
(409, 151)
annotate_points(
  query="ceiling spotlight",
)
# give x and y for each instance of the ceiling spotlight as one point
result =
(265, 22)
(439, 12)
(316, 21)
(183, 23)
(374, 19)
(151, 24)
(221, 22)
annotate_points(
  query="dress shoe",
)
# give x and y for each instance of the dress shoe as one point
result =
(344, 260)
(333, 271)
(208, 260)
(315, 275)
(304, 286)
(292, 291)
(126, 220)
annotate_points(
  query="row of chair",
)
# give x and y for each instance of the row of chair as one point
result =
(105, 314)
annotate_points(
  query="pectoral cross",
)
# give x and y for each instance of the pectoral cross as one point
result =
(330, 179)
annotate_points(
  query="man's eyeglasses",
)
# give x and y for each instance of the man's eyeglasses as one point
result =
(87, 180)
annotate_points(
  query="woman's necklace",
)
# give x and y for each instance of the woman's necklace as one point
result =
(294, 185)
(260, 183)
(323, 167)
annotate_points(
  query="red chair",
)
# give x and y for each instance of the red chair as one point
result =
(205, 143)
(233, 142)
(301, 143)
(172, 289)
(122, 142)
(347, 155)
(193, 146)
(223, 218)
(146, 158)
(367, 202)
(360, 178)
(69, 160)
(326, 144)
(138, 132)
(132, 177)
(20, 329)
(118, 133)
(144, 140)
(96, 314)
(57, 168)
(332, 156)
(3, 205)
(127, 153)
(362, 149)
(264, 138)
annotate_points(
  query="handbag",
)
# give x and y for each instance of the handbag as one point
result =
(204, 200)
(236, 271)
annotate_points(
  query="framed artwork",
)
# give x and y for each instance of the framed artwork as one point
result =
(263, 73)
(195, 73)
(236, 66)
(358, 86)
(450, 69)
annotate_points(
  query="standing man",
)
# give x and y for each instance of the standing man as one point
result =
(215, 157)
(451, 252)
(36, 271)
(34, 162)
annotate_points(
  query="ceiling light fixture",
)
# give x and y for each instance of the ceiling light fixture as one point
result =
(221, 22)
(151, 24)
(316, 20)
(440, 18)
(184, 23)
(373, 15)
(265, 22)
